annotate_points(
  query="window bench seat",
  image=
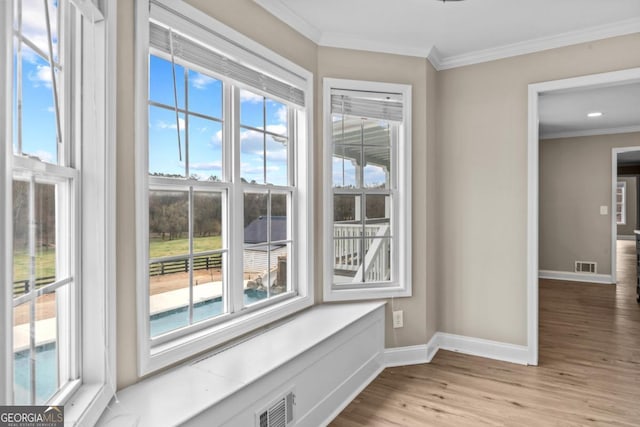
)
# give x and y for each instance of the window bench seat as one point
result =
(324, 355)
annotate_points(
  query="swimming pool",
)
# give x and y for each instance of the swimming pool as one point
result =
(46, 365)
(177, 318)
(46, 374)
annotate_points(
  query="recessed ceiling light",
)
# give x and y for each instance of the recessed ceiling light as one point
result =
(595, 114)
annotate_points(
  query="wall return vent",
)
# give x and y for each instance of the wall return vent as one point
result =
(586, 267)
(278, 414)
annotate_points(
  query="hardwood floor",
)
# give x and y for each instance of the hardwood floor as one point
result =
(588, 373)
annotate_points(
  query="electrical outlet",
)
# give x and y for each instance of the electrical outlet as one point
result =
(604, 210)
(398, 320)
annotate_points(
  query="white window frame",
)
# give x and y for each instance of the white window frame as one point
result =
(85, 400)
(622, 187)
(400, 285)
(155, 356)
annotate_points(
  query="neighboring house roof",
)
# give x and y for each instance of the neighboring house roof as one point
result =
(256, 231)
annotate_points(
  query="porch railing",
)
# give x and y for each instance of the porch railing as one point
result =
(350, 251)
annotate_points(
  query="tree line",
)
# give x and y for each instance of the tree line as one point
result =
(169, 212)
(45, 215)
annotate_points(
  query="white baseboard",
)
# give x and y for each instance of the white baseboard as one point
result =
(410, 355)
(416, 354)
(631, 237)
(576, 277)
(432, 347)
(484, 348)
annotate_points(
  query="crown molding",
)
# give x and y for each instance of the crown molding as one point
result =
(591, 132)
(599, 32)
(347, 41)
(292, 19)
(434, 58)
(440, 62)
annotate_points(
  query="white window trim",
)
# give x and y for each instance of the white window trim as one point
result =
(249, 52)
(6, 228)
(401, 285)
(623, 186)
(98, 201)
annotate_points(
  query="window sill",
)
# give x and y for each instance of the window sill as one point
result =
(87, 404)
(352, 294)
(164, 355)
(177, 396)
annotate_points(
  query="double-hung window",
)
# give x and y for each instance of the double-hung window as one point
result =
(56, 244)
(367, 206)
(224, 184)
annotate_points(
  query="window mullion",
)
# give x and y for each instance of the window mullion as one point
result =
(363, 205)
(186, 122)
(291, 152)
(66, 310)
(264, 140)
(236, 214)
(18, 41)
(32, 284)
(191, 202)
(268, 242)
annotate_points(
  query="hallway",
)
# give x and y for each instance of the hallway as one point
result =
(589, 371)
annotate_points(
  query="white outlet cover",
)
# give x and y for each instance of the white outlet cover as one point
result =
(604, 210)
(398, 319)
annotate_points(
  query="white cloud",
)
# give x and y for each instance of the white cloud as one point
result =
(161, 124)
(246, 96)
(281, 114)
(277, 155)
(251, 142)
(205, 166)
(41, 77)
(249, 168)
(45, 156)
(201, 81)
(277, 129)
(34, 26)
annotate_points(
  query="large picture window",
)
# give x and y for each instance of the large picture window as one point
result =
(227, 210)
(367, 210)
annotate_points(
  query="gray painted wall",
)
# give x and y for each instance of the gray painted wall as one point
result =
(575, 180)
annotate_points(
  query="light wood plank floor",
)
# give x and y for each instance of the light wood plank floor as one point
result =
(589, 371)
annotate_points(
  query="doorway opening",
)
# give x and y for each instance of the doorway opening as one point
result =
(600, 209)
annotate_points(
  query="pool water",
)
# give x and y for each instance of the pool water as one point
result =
(46, 369)
(166, 321)
(46, 372)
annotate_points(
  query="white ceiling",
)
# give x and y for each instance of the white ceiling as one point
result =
(564, 113)
(459, 32)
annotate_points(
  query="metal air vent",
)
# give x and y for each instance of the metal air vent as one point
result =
(278, 414)
(586, 267)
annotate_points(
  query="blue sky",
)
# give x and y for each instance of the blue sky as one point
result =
(38, 116)
(205, 135)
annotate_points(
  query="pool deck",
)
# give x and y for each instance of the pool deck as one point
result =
(180, 297)
(45, 329)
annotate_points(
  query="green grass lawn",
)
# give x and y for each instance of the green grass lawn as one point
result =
(45, 264)
(46, 261)
(160, 248)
